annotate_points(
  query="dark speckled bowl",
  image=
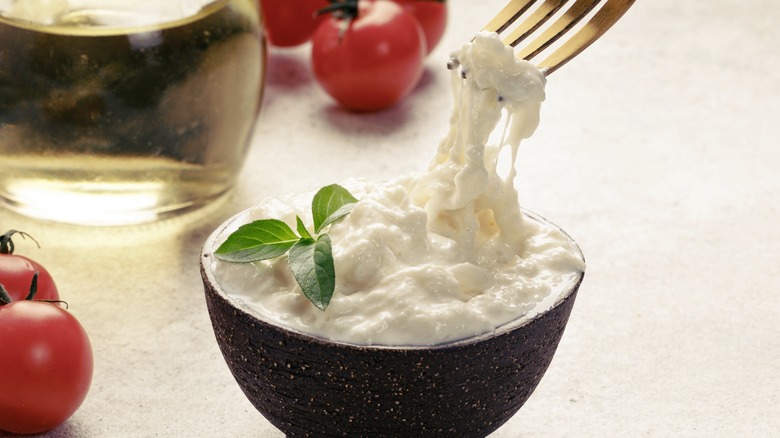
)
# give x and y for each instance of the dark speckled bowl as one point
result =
(310, 387)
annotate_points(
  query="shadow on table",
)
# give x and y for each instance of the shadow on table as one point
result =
(383, 122)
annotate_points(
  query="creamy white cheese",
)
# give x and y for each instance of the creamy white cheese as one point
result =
(437, 256)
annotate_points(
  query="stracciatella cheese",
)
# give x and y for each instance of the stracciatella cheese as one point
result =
(437, 256)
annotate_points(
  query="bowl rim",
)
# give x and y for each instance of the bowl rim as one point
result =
(209, 276)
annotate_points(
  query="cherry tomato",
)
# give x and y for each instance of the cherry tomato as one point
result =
(432, 16)
(371, 61)
(290, 23)
(46, 366)
(16, 273)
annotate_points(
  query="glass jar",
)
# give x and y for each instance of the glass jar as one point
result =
(125, 111)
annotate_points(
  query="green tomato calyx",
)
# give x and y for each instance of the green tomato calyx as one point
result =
(7, 244)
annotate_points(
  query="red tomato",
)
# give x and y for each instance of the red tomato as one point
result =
(371, 62)
(46, 366)
(432, 16)
(16, 273)
(290, 23)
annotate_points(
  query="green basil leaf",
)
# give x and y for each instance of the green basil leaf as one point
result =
(310, 258)
(330, 204)
(311, 262)
(302, 228)
(259, 240)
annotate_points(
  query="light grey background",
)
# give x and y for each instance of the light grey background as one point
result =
(657, 151)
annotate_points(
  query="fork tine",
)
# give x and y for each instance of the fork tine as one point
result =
(508, 15)
(590, 32)
(536, 19)
(569, 19)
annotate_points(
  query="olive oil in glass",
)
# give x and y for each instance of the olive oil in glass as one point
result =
(120, 112)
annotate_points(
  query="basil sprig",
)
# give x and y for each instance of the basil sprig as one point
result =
(310, 255)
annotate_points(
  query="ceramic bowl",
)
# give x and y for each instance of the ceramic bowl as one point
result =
(313, 387)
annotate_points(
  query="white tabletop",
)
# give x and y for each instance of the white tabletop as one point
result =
(657, 151)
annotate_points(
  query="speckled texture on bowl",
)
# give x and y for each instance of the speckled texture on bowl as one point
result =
(311, 387)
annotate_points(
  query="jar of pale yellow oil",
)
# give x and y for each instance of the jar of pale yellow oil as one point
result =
(125, 111)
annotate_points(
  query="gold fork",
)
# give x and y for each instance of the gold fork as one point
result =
(600, 21)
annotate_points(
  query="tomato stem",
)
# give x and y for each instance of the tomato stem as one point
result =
(7, 244)
(64, 303)
(5, 298)
(347, 9)
(33, 287)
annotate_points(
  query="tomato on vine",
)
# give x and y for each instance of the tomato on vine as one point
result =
(45, 354)
(16, 272)
(368, 54)
(46, 366)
